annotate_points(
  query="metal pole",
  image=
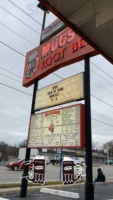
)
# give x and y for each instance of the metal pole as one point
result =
(89, 189)
(61, 165)
(24, 183)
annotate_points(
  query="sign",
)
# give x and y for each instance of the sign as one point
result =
(59, 151)
(105, 150)
(68, 172)
(68, 90)
(64, 49)
(44, 150)
(54, 28)
(58, 128)
(37, 171)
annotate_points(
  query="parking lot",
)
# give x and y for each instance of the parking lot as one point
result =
(52, 173)
(101, 192)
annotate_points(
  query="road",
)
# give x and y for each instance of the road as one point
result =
(101, 192)
(52, 173)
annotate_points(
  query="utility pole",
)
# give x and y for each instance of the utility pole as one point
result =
(89, 189)
(24, 183)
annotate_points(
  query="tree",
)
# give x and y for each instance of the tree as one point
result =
(109, 146)
(8, 150)
(4, 151)
(23, 143)
(94, 145)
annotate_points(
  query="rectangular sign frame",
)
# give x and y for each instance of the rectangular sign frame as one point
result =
(65, 91)
(82, 129)
(53, 29)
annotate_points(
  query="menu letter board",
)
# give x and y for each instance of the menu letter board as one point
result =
(58, 128)
(68, 90)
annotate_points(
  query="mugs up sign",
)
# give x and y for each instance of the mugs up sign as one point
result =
(62, 50)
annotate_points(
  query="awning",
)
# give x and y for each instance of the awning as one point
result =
(91, 19)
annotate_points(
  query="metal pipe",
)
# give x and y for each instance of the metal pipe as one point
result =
(89, 189)
(24, 183)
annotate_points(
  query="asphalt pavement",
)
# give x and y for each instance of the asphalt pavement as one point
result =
(52, 173)
(103, 191)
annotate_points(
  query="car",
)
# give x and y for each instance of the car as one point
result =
(17, 165)
(110, 162)
(78, 160)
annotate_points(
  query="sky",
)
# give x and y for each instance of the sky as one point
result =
(21, 32)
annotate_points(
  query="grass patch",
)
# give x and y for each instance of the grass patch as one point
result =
(12, 185)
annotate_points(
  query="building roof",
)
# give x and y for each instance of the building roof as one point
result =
(91, 19)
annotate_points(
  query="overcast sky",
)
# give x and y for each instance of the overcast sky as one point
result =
(23, 35)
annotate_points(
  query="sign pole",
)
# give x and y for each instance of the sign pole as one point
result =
(89, 189)
(61, 165)
(24, 183)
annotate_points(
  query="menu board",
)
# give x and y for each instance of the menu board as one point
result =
(58, 128)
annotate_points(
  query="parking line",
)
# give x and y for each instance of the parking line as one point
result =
(3, 198)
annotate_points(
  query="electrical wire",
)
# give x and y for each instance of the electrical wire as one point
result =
(101, 100)
(19, 20)
(12, 48)
(25, 12)
(17, 34)
(98, 74)
(102, 122)
(10, 77)
(102, 87)
(102, 70)
(102, 77)
(15, 89)
(54, 73)
(101, 115)
(11, 72)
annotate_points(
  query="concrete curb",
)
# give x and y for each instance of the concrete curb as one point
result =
(31, 188)
(60, 193)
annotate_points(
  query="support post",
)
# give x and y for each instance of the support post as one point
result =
(61, 165)
(24, 183)
(89, 189)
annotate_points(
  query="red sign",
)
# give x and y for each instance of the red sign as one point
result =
(62, 50)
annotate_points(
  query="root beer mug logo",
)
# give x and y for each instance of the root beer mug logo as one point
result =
(68, 172)
(32, 61)
(37, 171)
(64, 49)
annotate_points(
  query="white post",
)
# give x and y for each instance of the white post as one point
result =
(108, 156)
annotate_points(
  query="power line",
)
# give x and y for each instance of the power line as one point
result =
(12, 48)
(102, 88)
(53, 73)
(20, 20)
(102, 122)
(10, 72)
(25, 12)
(102, 70)
(17, 34)
(102, 115)
(96, 83)
(102, 77)
(102, 100)
(10, 77)
(58, 76)
(15, 89)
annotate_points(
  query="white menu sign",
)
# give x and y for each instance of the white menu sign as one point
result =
(58, 128)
